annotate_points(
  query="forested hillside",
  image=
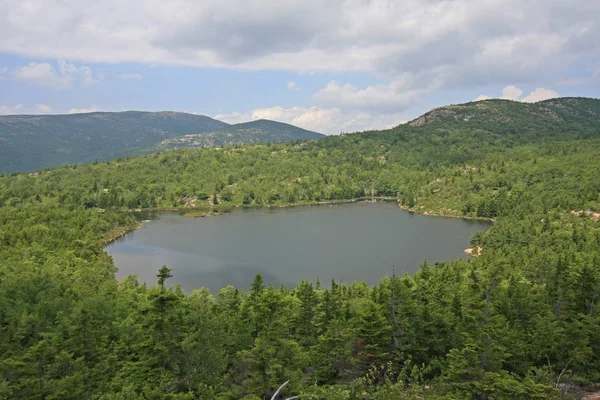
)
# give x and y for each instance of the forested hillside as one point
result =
(520, 321)
(260, 131)
(32, 142)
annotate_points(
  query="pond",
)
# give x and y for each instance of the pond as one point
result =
(345, 242)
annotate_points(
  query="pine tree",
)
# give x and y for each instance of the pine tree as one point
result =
(304, 321)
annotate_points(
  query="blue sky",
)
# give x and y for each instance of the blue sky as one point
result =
(329, 66)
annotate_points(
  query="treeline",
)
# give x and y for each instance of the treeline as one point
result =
(504, 325)
(514, 323)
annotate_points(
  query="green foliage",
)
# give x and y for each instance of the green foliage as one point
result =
(510, 323)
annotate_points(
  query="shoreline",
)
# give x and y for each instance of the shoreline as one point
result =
(121, 233)
(232, 206)
(217, 211)
(431, 214)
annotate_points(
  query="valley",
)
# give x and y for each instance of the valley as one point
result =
(517, 321)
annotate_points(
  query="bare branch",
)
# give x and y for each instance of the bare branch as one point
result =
(279, 390)
(561, 373)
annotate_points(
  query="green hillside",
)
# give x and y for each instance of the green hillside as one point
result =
(520, 321)
(261, 131)
(32, 142)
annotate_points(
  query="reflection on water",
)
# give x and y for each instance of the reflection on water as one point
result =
(349, 242)
(191, 270)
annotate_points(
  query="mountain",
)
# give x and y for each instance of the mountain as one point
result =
(516, 119)
(459, 133)
(260, 131)
(511, 322)
(32, 142)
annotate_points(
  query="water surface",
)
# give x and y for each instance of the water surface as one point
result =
(346, 242)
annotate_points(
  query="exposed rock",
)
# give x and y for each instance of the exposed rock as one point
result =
(592, 214)
(255, 132)
(474, 252)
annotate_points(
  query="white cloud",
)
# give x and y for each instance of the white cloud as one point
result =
(540, 94)
(291, 85)
(128, 75)
(514, 93)
(234, 117)
(342, 108)
(85, 73)
(22, 109)
(441, 43)
(87, 78)
(3, 72)
(388, 98)
(324, 120)
(8, 109)
(44, 74)
(43, 108)
(511, 93)
(82, 110)
(40, 109)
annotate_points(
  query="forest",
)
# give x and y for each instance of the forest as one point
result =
(519, 321)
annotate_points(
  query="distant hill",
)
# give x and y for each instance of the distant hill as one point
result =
(458, 132)
(505, 323)
(31, 142)
(260, 131)
(550, 119)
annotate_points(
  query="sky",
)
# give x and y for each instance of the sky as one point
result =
(331, 66)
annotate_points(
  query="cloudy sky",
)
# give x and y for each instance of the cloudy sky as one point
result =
(328, 65)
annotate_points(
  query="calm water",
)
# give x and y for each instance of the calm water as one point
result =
(348, 242)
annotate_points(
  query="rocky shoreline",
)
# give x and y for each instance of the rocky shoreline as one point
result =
(434, 214)
(122, 232)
